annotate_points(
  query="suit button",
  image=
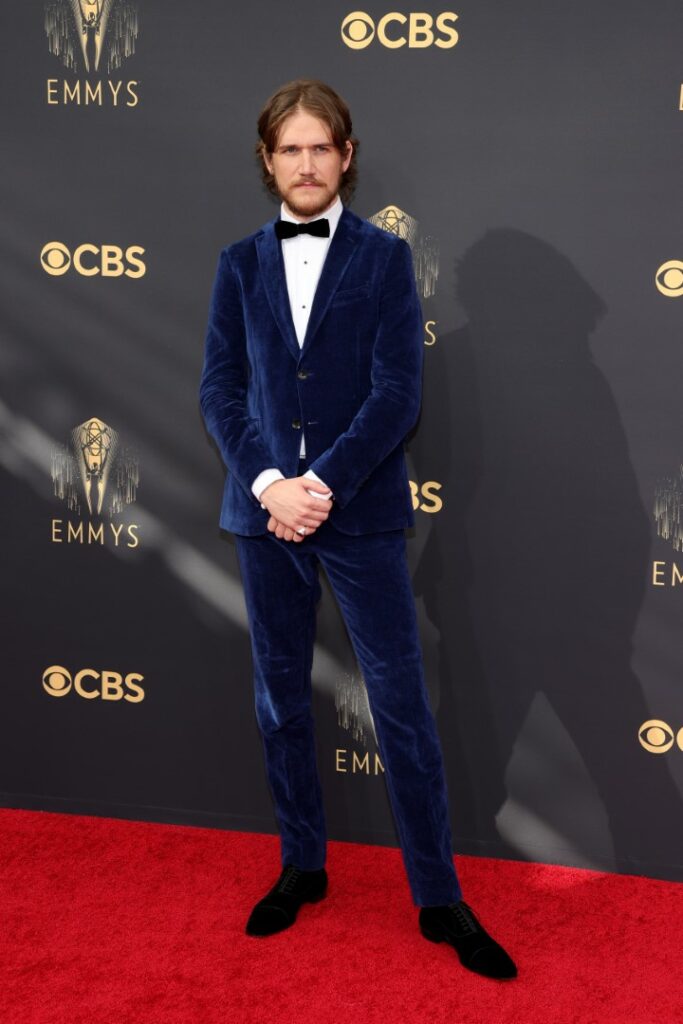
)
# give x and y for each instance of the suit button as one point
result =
(296, 424)
(302, 374)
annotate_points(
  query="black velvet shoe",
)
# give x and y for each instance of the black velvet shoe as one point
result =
(457, 925)
(278, 908)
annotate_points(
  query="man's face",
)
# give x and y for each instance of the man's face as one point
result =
(306, 165)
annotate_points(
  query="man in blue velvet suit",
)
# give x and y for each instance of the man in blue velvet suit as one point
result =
(311, 381)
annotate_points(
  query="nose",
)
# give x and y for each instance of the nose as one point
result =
(307, 162)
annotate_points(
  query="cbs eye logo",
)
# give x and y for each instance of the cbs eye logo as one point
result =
(89, 260)
(90, 684)
(415, 30)
(657, 737)
(669, 279)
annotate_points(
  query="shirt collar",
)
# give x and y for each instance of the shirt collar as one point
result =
(332, 214)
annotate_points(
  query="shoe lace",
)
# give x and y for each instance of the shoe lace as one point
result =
(288, 879)
(464, 916)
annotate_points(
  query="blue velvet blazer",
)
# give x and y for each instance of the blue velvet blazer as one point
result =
(354, 386)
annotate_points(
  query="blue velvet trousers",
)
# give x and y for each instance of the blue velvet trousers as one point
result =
(370, 580)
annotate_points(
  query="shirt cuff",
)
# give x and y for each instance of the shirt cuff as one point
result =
(317, 494)
(263, 480)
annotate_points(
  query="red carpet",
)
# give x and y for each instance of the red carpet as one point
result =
(116, 922)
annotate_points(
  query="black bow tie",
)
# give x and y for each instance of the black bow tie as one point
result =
(288, 229)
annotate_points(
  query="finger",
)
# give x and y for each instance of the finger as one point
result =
(272, 523)
(316, 512)
(306, 520)
(309, 524)
(280, 530)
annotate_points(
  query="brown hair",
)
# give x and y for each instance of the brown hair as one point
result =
(318, 99)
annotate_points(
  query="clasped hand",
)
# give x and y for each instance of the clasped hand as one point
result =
(291, 507)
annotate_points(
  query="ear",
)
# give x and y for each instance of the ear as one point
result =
(267, 162)
(347, 158)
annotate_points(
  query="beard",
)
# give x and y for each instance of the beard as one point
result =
(308, 203)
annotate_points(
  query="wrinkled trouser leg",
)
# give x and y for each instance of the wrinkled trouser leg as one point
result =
(371, 582)
(281, 595)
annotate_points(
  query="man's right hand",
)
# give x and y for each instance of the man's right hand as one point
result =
(290, 503)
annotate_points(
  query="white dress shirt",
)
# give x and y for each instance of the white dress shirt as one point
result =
(303, 256)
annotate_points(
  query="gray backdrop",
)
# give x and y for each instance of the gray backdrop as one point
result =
(534, 167)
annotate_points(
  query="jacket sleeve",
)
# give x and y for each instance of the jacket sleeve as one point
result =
(393, 405)
(223, 386)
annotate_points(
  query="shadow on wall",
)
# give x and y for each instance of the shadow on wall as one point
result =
(536, 573)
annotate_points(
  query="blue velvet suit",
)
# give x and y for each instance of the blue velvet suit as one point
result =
(354, 387)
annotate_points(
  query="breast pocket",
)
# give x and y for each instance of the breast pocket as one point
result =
(344, 296)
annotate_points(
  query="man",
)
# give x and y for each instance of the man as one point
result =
(311, 381)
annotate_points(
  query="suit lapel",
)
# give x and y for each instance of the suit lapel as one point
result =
(272, 267)
(342, 248)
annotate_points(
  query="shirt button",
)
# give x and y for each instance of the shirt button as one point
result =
(296, 424)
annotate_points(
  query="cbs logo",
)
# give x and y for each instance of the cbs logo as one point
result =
(657, 737)
(669, 279)
(423, 497)
(89, 683)
(89, 260)
(394, 30)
